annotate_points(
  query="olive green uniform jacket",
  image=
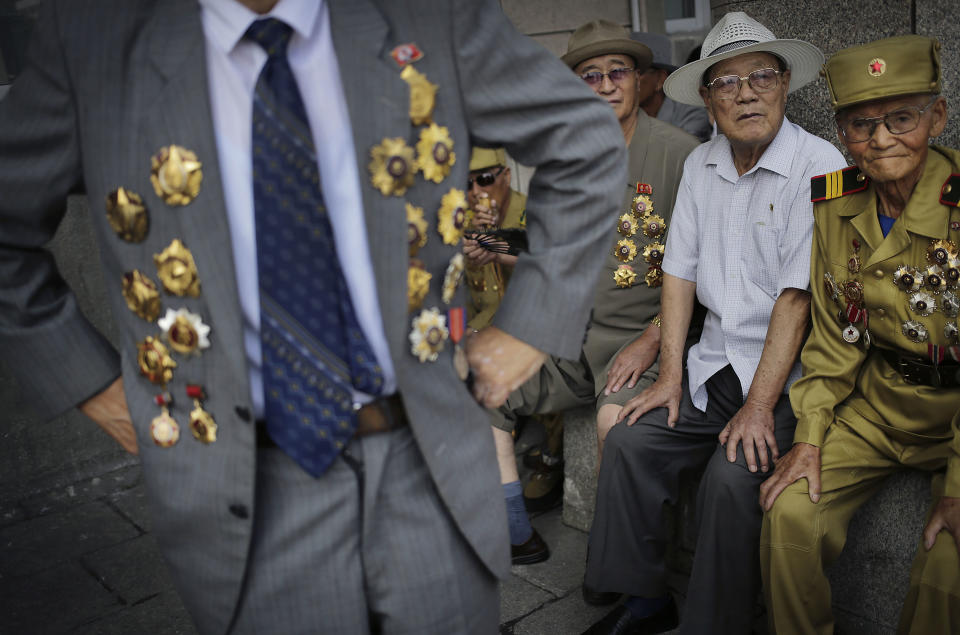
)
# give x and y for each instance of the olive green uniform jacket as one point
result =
(488, 283)
(852, 381)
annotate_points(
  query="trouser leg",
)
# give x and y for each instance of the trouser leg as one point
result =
(639, 476)
(799, 538)
(725, 579)
(933, 601)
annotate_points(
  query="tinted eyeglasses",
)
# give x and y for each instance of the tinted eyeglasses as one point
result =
(617, 75)
(899, 121)
(484, 179)
(762, 80)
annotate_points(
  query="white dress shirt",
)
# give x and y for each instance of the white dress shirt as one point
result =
(233, 66)
(743, 240)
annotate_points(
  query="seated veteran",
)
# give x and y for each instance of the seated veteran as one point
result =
(740, 244)
(654, 101)
(495, 205)
(619, 355)
(881, 383)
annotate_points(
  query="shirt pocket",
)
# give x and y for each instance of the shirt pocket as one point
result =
(761, 258)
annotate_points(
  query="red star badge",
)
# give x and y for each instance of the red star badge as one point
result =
(876, 67)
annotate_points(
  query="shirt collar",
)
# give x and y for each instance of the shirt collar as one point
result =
(778, 157)
(228, 20)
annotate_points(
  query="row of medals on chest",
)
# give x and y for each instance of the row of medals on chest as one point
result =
(931, 287)
(640, 220)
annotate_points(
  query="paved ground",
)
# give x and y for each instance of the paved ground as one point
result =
(76, 556)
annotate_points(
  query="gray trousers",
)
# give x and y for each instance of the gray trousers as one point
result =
(640, 475)
(366, 548)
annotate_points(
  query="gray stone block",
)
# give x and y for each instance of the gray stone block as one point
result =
(53, 601)
(938, 18)
(562, 15)
(869, 581)
(580, 467)
(160, 615)
(45, 542)
(133, 570)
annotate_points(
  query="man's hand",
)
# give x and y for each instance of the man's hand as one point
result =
(946, 515)
(632, 362)
(476, 255)
(664, 393)
(108, 410)
(802, 461)
(753, 426)
(500, 364)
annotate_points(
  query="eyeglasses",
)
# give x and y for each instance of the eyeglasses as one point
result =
(899, 121)
(485, 179)
(762, 80)
(617, 75)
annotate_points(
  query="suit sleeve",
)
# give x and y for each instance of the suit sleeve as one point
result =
(829, 369)
(58, 358)
(516, 94)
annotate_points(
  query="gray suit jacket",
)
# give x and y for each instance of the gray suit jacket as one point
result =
(112, 81)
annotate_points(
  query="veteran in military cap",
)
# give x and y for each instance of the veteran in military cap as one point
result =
(881, 384)
(495, 205)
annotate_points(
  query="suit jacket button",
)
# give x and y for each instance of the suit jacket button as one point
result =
(243, 413)
(240, 511)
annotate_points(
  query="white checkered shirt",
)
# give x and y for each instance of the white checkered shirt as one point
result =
(743, 240)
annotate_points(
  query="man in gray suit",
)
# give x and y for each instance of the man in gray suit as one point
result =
(259, 173)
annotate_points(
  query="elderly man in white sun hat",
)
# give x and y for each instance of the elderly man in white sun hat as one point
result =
(740, 244)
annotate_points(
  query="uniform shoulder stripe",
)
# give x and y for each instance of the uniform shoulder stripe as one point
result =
(836, 184)
(950, 191)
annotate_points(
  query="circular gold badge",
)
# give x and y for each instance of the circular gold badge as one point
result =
(392, 166)
(154, 361)
(624, 276)
(877, 67)
(176, 175)
(177, 270)
(127, 215)
(141, 295)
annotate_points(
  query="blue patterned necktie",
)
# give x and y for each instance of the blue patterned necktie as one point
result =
(314, 352)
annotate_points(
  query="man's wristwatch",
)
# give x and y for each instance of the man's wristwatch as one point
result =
(656, 320)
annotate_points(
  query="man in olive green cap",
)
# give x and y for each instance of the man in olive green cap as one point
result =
(881, 384)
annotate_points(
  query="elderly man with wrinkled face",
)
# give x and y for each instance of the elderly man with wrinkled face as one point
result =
(740, 244)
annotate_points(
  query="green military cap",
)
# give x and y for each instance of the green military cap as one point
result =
(487, 158)
(894, 66)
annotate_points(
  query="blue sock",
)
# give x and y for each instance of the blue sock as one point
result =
(517, 519)
(645, 607)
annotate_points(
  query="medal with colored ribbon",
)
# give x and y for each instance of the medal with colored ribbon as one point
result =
(164, 430)
(457, 321)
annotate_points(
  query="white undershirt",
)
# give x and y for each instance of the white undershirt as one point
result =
(233, 66)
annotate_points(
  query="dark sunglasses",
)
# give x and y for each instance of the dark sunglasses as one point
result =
(616, 76)
(485, 179)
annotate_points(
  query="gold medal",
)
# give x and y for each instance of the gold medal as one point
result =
(654, 277)
(428, 335)
(830, 286)
(418, 284)
(177, 270)
(154, 361)
(202, 425)
(625, 250)
(641, 205)
(176, 174)
(627, 225)
(141, 295)
(653, 253)
(653, 226)
(452, 277)
(423, 95)
(453, 216)
(164, 430)
(127, 215)
(435, 154)
(392, 166)
(624, 276)
(416, 229)
(184, 331)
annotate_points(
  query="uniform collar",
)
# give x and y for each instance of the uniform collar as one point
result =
(226, 21)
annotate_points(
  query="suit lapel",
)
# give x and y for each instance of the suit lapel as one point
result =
(360, 37)
(180, 114)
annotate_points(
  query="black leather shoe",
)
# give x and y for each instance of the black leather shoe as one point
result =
(533, 550)
(598, 598)
(620, 621)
